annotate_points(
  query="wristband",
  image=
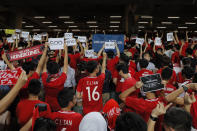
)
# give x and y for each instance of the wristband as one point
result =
(153, 118)
(185, 88)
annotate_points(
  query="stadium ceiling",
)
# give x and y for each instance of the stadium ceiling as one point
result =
(100, 15)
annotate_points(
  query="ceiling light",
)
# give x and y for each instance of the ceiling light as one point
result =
(147, 17)
(190, 23)
(64, 17)
(114, 26)
(29, 26)
(167, 23)
(195, 17)
(39, 17)
(36, 30)
(114, 22)
(173, 17)
(23, 22)
(161, 27)
(93, 26)
(69, 22)
(143, 22)
(76, 30)
(91, 22)
(141, 27)
(46, 22)
(72, 26)
(182, 27)
(115, 16)
(52, 26)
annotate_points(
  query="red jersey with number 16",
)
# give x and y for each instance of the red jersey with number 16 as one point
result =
(92, 88)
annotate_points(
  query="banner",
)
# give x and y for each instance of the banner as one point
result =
(10, 31)
(151, 83)
(56, 43)
(100, 39)
(25, 53)
(9, 77)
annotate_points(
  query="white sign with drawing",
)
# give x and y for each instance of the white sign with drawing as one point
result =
(71, 42)
(56, 43)
(170, 36)
(140, 41)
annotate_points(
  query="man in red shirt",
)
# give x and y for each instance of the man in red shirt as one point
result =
(66, 119)
(24, 110)
(143, 72)
(54, 82)
(90, 88)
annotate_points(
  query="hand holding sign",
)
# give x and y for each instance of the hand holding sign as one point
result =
(170, 36)
(109, 45)
(56, 43)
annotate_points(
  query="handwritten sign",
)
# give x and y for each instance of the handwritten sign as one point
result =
(109, 45)
(37, 37)
(9, 77)
(170, 36)
(25, 53)
(68, 35)
(24, 34)
(158, 41)
(82, 38)
(152, 83)
(56, 43)
(71, 42)
(89, 53)
(140, 41)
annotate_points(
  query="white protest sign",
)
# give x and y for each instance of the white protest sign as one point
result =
(68, 35)
(10, 40)
(17, 30)
(170, 36)
(24, 34)
(84, 45)
(82, 38)
(140, 41)
(44, 34)
(158, 41)
(15, 36)
(109, 45)
(56, 43)
(71, 42)
(37, 37)
(150, 40)
(89, 53)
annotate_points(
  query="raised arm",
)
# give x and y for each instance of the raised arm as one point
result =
(9, 98)
(27, 126)
(117, 50)
(188, 101)
(176, 37)
(101, 50)
(10, 65)
(42, 59)
(104, 62)
(65, 68)
(187, 39)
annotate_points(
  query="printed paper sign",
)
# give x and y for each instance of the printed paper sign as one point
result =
(68, 35)
(18, 31)
(140, 41)
(89, 53)
(22, 54)
(37, 37)
(24, 34)
(9, 31)
(109, 45)
(151, 83)
(158, 41)
(170, 36)
(71, 42)
(82, 38)
(9, 77)
(56, 43)
(10, 40)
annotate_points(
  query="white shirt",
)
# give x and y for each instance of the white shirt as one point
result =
(150, 66)
(70, 80)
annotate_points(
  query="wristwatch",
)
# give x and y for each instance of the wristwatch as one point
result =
(185, 88)
(153, 118)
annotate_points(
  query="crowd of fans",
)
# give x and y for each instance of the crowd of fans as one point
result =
(62, 90)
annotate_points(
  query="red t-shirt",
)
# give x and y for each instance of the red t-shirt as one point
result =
(133, 51)
(141, 73)
(173, 78)
(92, 88)
(128, 83)
(24, 110)
(111, 64)
(52, 89)
(193, 111)
(119, 83)
(132, 65)
(169, 89)
(66, 120)
(91, 59)
(175, 57)
(73, 60)
(185, 46)
(23, 91)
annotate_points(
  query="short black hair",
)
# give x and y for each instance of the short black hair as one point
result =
(70, 50)
(124, 58)
(189, 51)
(188, 72)
(91, 66)
(130, 121)
(178, 119)
(177, 46)
(166, 61)
(28, 66)
(110, 54)
(147, 52)
(34, 87)
(186, 61)
(143, 63)
(122, 67)
(44, 124)
(65, 96)
(166, 73)
(52, 67)
(82, 65)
